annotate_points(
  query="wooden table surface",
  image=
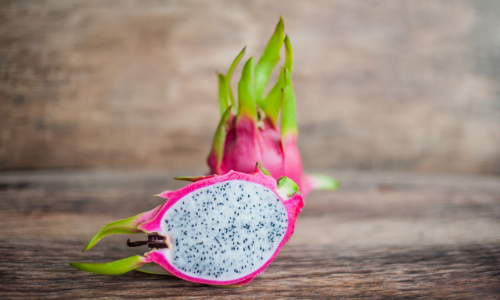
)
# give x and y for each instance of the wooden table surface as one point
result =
(382, 235)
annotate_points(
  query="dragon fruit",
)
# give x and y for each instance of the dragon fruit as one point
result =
(250, 131)
(218, 230)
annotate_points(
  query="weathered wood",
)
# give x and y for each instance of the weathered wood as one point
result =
(399, 85)
(382, 235)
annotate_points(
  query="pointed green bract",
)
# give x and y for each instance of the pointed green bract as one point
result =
(267, 62)
(234, 104)
(289, 54)
(220, 138)
(246, 92)
(223, 103)
(230, 75)
(112, 268)
(264, 170)
(153, 268)
(288, 109)
(287, 187)
(258, 166)
(322, 182)
(125, 226)
(272, 105)
(193, 178)
(225, 91)
(235, 64)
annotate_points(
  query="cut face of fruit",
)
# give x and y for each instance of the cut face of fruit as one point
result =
(220, 230)
(225, 231)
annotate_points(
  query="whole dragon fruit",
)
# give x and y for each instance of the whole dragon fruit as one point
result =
(249, 130)
(219, 230)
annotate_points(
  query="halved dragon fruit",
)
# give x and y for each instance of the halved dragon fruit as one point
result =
(219, 230)
(249, 130)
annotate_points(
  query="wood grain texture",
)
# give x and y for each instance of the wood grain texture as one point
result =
(394, 85)
(381, 236)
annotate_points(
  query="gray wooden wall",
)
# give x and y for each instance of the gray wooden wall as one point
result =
(403, 85)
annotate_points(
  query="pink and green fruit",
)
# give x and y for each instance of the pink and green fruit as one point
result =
(250, 128)
(218, 230)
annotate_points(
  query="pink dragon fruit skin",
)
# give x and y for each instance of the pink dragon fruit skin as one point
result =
(249, 130)
(155, 223)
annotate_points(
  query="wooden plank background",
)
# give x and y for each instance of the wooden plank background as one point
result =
(396, 87)
(392, 85)
(381, 236)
